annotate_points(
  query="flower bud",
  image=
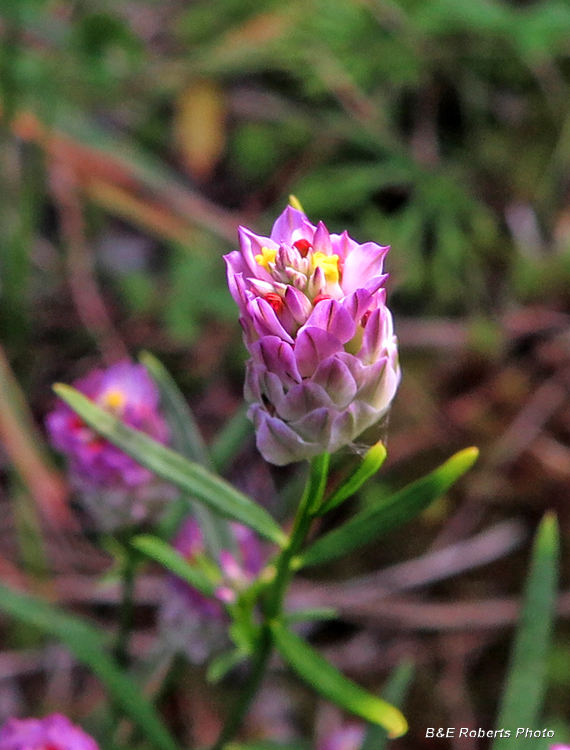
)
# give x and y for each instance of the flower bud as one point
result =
(324, 361)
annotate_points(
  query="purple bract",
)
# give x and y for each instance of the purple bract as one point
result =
(54, 732)
(324, 358)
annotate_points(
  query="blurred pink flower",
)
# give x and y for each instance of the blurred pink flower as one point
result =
(117, 489)
(348, 737)
(324, 358)
(54, 732)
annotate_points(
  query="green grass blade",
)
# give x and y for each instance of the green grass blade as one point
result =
(369, 465)
(164, 554)
(395, 693)
(390, 513)
(87, 643)
(186, 436)
(330, 683)
(526, 681)
(229, 441)
(191, 477)
(187, 440)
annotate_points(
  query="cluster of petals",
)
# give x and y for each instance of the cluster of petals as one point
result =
(126, 390)
(324, 358)
(54, 732)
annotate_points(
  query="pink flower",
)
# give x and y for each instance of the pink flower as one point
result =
(54, 732)
(127, 391)
(324, 359)
(116, 488)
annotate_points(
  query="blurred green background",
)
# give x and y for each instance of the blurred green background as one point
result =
(136, 136)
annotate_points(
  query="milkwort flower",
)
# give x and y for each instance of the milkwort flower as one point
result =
(190, 621)
(117, 489)
(324, 358)
(54, 732)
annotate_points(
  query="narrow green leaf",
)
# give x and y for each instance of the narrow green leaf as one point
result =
(369, 465)
(186, 437)
(212, 490)
(330, 683)
(309, 615)
(222, 664)
(229, 441)
(86, 643)
(317, 483)
(526, 681)
(395, 693)
(164, 554)
(388, 513)
(187, 440)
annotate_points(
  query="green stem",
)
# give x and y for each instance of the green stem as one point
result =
(127, 606)
(273, 604)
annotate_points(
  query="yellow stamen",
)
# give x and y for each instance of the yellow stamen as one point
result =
(114, 400)
(329, 264)
(266, 257)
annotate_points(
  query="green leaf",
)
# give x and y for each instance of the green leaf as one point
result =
(86, 643)
(309, 615)
(223, 663)
(230, 440)
(187, 440)
(330, 683)
(186, 437)
(317, 483)
(388, 514)
(212, 490)
(395, 692)
(164, 554)
(526, 682)
(369, 465)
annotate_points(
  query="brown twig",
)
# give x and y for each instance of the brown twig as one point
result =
(82, 277)
(23, 445)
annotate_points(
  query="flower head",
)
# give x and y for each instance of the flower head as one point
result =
(54, 732)
(196, 623)
(97, 467)
(324, 359)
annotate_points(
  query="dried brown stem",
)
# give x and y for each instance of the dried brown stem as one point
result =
(85, 291)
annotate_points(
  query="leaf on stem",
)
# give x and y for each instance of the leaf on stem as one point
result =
(369, 465)
(331, 684)
(224, 663)
(86, 643)
(212, 490)
(310, 615)
(187, 440)
(395, 692)
(526, 681)
(164, 554)
(387, 514)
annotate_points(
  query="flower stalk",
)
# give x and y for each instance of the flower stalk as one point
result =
(272, 605)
